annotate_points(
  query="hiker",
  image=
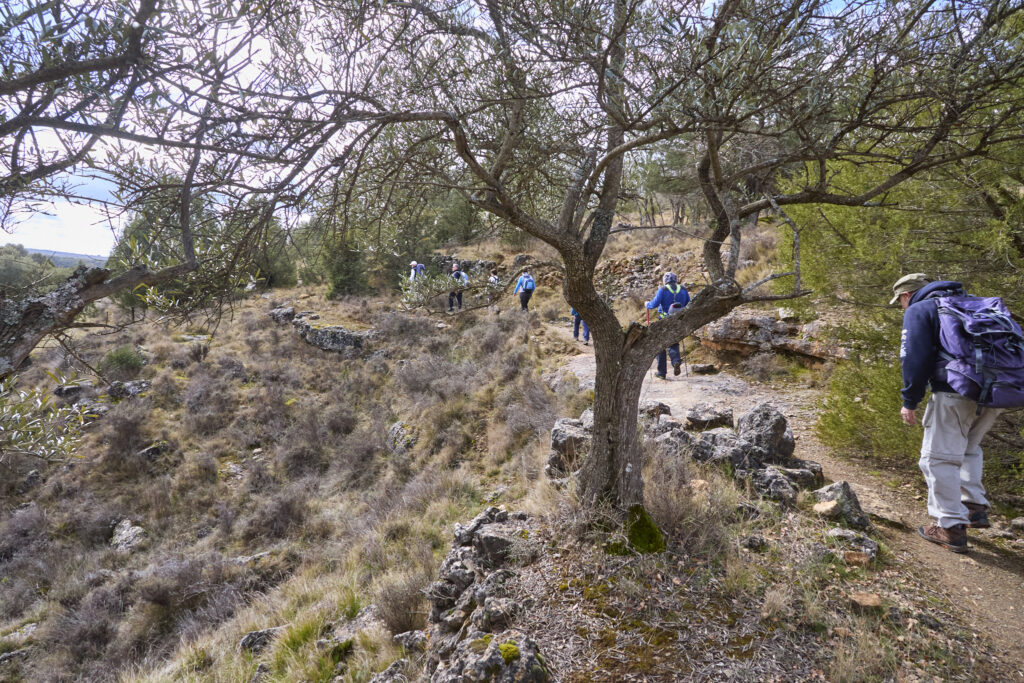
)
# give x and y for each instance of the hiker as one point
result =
(576, 320)
(670, 298)
(524, 287)
(951, 457)
(418, 270)
(461, 280)
(493, 282)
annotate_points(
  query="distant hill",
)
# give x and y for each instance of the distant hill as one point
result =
(63, 259)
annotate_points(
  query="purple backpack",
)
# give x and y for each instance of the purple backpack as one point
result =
(984, 350)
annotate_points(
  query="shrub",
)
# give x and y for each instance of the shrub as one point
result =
(346, 272)
(209, 403)
(125, 432)
(861, 412)
(123, 362)
(280, 516)
(400, 601)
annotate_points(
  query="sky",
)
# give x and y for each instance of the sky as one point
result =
(66, 226)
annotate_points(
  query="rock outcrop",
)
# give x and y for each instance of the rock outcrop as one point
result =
(470, 634)
(748, 332)
(327, 337)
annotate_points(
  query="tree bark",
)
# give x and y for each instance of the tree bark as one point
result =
(24, 323)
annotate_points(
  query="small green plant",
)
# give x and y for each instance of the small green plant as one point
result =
(509, 651)
(122, 363)
(32, 424)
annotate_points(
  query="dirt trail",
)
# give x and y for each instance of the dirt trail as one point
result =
(987, 584)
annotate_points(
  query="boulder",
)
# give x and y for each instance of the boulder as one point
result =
(662, 424)
(587, 420)
(848, 509)
(127, 537)
(127, 389)
(808, 476)
(257, 641)
(772, 484)
(1017, 524)
(674, 443)
(767, 428)
(413, 641)
(506, 657)
(329, 337)
(703, 369)
(702, 417)
(393, 674)
(399, 438)
(569, 440)
(465, 533)
(282, 314)
(494, 542)
(495, 613)
(71, 392)
(653, 409)
(850, 540)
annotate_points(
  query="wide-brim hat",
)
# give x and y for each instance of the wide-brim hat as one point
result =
(908, 283)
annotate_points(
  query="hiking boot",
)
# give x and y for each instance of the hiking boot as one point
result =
(586, 342)
(677, 368)
(660, 376)
(977, 516)
(954, 538)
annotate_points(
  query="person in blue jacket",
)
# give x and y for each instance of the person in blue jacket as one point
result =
(460, 280)
(951, 456)
(577, 319)
(524, 287)
(670, 298)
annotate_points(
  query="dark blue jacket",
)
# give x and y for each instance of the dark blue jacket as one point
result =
(919, 343)
(664, 299)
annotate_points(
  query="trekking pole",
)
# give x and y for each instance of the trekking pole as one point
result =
(686, 367)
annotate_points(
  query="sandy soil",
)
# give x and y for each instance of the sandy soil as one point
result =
(987, 584)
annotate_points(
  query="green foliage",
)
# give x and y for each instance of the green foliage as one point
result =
(122, 362)
(861, 414)
(22, 272)
(346, 272)
(32, 424)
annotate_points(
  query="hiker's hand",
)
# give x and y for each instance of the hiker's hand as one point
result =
(909, 417)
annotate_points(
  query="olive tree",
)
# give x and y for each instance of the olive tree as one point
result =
(536, 111)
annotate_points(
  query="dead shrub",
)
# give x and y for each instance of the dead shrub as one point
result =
(209, 404)
(164, 389)
(124, 430)
(401, 326)
(300, 458)
(85, 631)
(691, 511)
(283, 514)
(339, 419)
(25, 527)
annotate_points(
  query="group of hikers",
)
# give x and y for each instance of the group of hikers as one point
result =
(525, 286)
(968, 350)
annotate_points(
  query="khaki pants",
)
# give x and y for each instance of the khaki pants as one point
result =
(951, 457)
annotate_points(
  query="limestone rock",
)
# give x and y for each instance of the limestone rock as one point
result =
(399, 439)
(587, 420)
(849, 507)
(257, 641)
(127, 389)
(827, 508)
(393, 674)
(856, 541)
(807, 477)
(413, 641)
(464, 534)
(569, 441)
(508, 657)
(702, 417)
(127, 537)
(71, 392)
(703, 369)
(495, 614)
(866, 601)
(767, 428)
(282, 314)
(653, 409)
(328, 338)
(1017, 525)
(772, 484)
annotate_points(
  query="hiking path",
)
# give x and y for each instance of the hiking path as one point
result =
(987, 584)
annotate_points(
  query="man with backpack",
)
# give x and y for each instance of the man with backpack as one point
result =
(524, 287)
(670, 298)
(938, 347)
(417, 270)
(461, 280)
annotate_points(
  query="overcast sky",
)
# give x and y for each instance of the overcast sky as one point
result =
(65, 226)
